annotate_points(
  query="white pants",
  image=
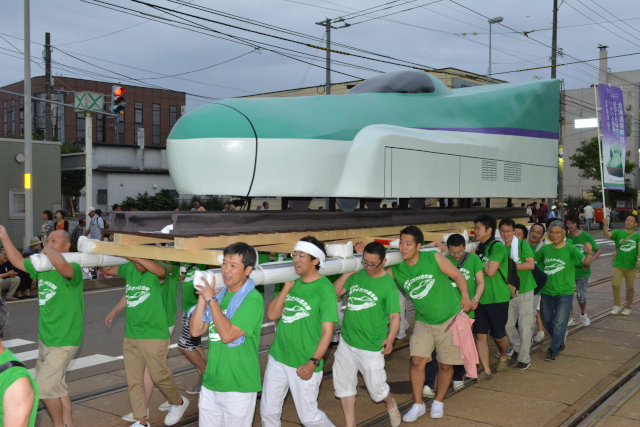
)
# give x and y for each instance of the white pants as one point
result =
(228, 408)
(278, 380)
(348, 361)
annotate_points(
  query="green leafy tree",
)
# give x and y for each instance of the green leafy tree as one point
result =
(587, 160)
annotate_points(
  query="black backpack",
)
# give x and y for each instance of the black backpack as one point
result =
(512, 280)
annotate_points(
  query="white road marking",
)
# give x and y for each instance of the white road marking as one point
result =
(16, 342)
(27, 355)
(87, 361)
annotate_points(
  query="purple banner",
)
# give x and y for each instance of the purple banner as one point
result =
(614, 139)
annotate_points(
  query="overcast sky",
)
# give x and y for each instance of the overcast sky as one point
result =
(186, 45)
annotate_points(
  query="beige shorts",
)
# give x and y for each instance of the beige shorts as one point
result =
(51, 370)
(425, 338)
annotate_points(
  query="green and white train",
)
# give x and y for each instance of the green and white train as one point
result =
(397, 135)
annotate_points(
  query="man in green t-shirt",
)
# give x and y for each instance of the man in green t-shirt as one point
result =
(521, 309)
(233, 318)
(426, 279)
(373, 302)
(625, 262)
(146, 340)
(189, 345)
(307, 311)
(558, 260)
(493, 311)
(579, 238)
(60, 321)
(18, 389)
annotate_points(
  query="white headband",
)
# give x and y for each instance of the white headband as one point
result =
(312, 250)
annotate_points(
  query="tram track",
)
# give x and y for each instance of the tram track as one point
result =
(381, 419)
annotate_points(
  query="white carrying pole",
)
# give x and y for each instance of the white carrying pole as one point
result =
(595, 95)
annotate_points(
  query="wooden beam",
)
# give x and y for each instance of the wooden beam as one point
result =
(157, 253)
(135, 239)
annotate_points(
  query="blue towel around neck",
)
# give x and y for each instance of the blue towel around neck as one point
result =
(236, 301)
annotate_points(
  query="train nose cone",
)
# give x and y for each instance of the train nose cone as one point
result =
(212, 150)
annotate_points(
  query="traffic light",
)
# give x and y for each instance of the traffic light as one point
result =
(117, 99)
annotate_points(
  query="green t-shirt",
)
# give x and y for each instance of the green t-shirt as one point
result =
(370, 301)
(172, 293)
(189, 296)
(430, 289)
(560, 267)
(527, 282)
(145, 299)
(495, 288)
(627, 255)
(307, 306)
(11, 375)
(471, 266)
(579, 241)
(236, 368)
(61, 306)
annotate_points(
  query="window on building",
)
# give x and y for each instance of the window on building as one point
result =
(173, 116)
(80, 128)
(102, 196)
(13, 117)
(137, 118)
(16, 204)
(21, 116)
(100, 128)
(5, 119)
(155, 124)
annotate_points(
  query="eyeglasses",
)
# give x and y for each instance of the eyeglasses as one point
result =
(369, 265)
(295, 255)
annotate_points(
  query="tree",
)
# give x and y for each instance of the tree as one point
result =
(587, 160)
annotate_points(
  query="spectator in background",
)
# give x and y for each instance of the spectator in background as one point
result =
(35, 247)
(78, 231)
(115, 208)
(47, 225)
(588, 216)
(9, 279)
(61, 223)
(96, 225)
(196, 205)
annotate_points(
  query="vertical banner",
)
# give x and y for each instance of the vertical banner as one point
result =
(614, 139)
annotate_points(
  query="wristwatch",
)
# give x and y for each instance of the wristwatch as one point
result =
(315, 361)
(210, 300)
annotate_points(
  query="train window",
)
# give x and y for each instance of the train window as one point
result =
(396, 82)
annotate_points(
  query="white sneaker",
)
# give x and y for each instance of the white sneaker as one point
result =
(457, 385)
(539, 337)
(615, 310)
(137, 424)
(416, 411)
(401, 335)
(129, 417)
(428, 392)
(176, 412)
(164, 406)
(437, 409)
(585, 319)
(571, 322)
(626, 311)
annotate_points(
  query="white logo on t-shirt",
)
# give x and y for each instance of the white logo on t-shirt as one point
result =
(425, 283)
(553, 265)
(136, 295)
(628, 246)
(46, 291)
(363, 299)
(299, 310)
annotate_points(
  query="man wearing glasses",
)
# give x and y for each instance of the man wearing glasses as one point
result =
(365, 339)
(307, 311)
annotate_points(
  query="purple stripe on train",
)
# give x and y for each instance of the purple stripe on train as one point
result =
(503, 131)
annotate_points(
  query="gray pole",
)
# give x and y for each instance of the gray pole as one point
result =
(88, 165)
(327, 90)
(554, 39)
(489, 51)
(48, 126)
(28, 154)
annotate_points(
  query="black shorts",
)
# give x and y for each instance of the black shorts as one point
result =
(491, 317)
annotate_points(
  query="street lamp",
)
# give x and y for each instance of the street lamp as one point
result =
(492, 21)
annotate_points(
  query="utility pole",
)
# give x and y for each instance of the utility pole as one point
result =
(28, 152)
(554, 39)
(48, 125)
(327, 24)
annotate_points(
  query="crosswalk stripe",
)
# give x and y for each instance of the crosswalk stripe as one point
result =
(16, 342)
(87, 361)
(27, 355)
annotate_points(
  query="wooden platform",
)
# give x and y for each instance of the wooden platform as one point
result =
(200, 237)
